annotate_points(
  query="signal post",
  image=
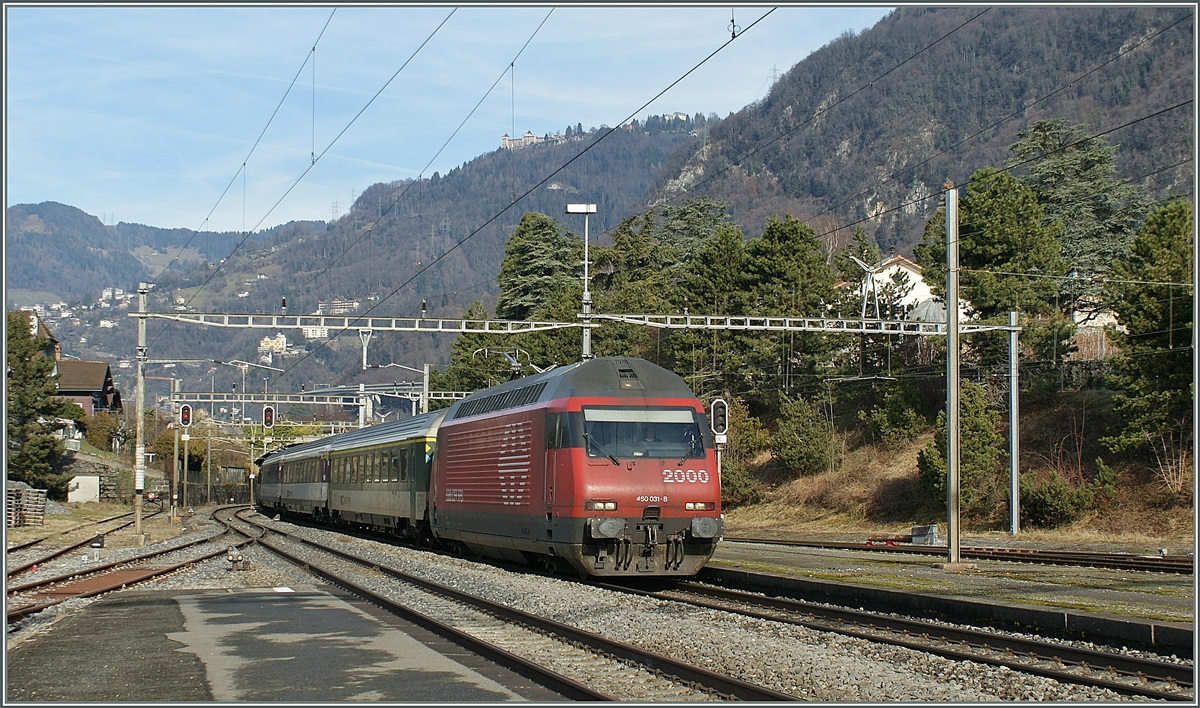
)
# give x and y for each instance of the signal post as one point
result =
(185, 420)
(719, 424)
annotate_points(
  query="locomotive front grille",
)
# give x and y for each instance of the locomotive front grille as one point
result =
(651, 513)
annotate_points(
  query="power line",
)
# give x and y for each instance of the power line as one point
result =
(405, 191)
(327, 148)
(241, 169)
(529, 191)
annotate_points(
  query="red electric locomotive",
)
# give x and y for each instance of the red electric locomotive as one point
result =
(605, 466)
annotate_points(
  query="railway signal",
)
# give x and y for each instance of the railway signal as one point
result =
(720, 416)
(185, 415)
(268, 416)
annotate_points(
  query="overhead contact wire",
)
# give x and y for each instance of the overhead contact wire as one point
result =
(527, 192)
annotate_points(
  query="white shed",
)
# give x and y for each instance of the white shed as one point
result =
(84, 488)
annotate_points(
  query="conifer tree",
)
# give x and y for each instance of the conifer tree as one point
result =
(539, 260)
(1151, 293)
(34, 414)
(786, 275)
(1073, 177)
(1008, 259)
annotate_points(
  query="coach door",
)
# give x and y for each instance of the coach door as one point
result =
(557, 452)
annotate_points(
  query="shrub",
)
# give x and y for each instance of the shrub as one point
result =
(1049, 500)
(801, 441)
(896, 420)
(747, 438)
(981, 452)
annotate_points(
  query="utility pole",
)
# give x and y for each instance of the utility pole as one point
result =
(586, 210)
(174, 452)
(1014, 431)
(952, 372)
(139, 450)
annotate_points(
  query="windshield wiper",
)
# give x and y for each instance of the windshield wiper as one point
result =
(690, 450)
(597, 448)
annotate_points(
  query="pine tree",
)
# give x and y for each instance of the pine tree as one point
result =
(1008, 260)
(711, 284)
(539, 260)
(1151, 294)
(786, 275)
(1073, 177)
(35, 454)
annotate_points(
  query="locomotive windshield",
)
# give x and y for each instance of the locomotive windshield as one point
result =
(640, 432)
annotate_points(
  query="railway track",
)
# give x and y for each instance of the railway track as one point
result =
(1181, 564)
(50, 588)
(33, 542)
(20, 560)
(575, 664)
(1121, 673)
(580, 664)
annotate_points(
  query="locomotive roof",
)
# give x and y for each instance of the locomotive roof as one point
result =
(615, 377)
(394, 431)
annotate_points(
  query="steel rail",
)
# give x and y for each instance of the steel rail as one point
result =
(60, 552)
(1116, 561)
(917, 634)
(718, 683)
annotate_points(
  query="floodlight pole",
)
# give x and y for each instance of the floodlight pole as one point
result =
(585, 209)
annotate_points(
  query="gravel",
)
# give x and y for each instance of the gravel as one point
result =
(813, 665)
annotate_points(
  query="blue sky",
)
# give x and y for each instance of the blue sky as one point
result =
(147, 114)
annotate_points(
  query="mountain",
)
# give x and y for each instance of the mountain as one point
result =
(59, 249)
(864, 130)
(863, 133)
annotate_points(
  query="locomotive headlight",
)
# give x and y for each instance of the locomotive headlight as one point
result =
(699, 506)
(600, 506)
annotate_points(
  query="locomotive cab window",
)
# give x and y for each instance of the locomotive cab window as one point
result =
(666, 433)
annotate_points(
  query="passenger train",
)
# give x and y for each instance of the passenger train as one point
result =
(606, 467)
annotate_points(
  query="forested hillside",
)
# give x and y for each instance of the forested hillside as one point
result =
(862, 134)
(866, 130)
